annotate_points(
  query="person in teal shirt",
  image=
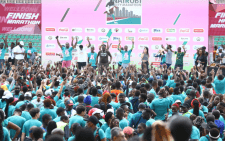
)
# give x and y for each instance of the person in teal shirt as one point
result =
(67, 52)
(126, 54)
(162, 55)
(150, 122)
(92, 121)
(195, 133)
(219, 82)
(47, 110)
(94, 99)
(123, 121)
(3, 51)
(184, 110)
(212, 133)
(160, 105)
(92, 58)
(35, 113)
(18, 120)
(81, 111)
(30, 51)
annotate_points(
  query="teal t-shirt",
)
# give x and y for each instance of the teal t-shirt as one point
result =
(2, 104)
(150, 122)
(28, 124)
(2, 53)
(6, 134)
(11, 110)
(77, 119)
(67, 53)
(108, 134)
(206, 138)
(26, 115)
(126, 56)
(160, 107)
(123, 123)
(101, 133)
(177, 97)
(219, 85)
(72, 138)
(94, 100)
(51, 112)
(19, 121)
(30, 50)
(104, 127)
(200, 113)
(57, 119)
(92, 58)
(153, 91)
(195, 133)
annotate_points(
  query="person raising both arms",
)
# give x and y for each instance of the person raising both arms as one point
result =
(82, 54)
(67, 52)
(92, 57)
(179, 58)
(125, 54)
(168, 55)
(145, 59)
(103, 54)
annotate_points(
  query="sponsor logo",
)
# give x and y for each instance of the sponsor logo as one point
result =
(63, 29)
(186, 64)
(63, 37)
(187, 47)
(156, 47)
(157, 30)
(129, 30)
(184, 39)
(143, 30)
(187, 55)
(198, 30)
(145, 38)
(184, 30)
(78, 37)
(116, 38)
(49, 37)
(50, 29)
(156, 38)
(170, 30)
(50, 53)
(198, 39)
(90, 30)
(116, 30)
(49, 45)
(91, 38)
(195, 47)
(115, 46)
(103, 30)
(76, 29)
(155, 63)
(103, 38)
(141, 47)
(129, 38)
(172, 39)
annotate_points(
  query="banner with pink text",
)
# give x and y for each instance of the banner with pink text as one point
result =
(20, 18)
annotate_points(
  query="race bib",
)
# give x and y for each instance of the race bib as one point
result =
(126, 56)
(67, 53)
(29, 51)
(92, 57)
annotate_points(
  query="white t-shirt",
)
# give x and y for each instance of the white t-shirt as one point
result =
(82, 54)
(17, 49)
(11, 53)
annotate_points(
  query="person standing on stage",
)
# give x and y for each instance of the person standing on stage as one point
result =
(92, 58)
(125, 54)
(145, 59)
(67, 52)
(179, 58)
(168, 55)
(162, 56)
(82, 54)
(19, 52)
(103, 54)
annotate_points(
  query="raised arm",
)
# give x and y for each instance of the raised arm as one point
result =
(184, 50)
(57, 38)
(132, 44)
(89, 43)
(6, 43)
(164, 48)
(74, 46)
(119, 46)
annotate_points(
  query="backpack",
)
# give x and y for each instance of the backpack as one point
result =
(97, 137)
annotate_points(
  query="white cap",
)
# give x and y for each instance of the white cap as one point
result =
(7, 95)
(21, 43)
(28, 94)
(177, 101)
(98, 111)
(48, 92)
(110, 110)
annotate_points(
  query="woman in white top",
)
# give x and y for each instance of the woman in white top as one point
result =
(11, 54)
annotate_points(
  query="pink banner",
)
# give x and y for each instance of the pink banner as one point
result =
(20, 18)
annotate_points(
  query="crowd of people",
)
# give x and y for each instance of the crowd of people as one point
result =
(95, 101)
